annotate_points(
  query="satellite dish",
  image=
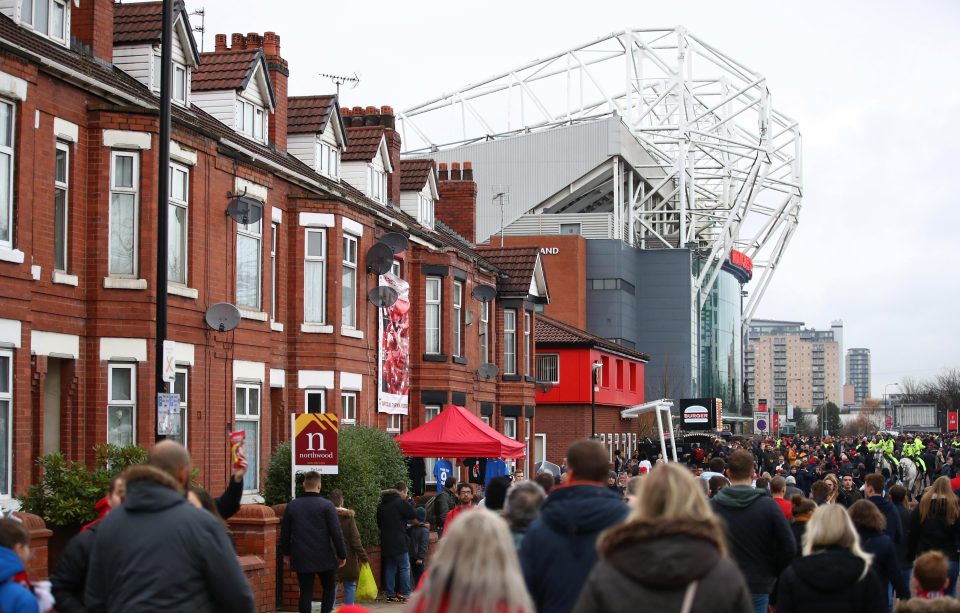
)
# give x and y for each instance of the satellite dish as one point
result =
(222, 317)
(488, 370)
(244, 210)
(396, 241)
(379, 258)
(484, 293)
(383, 296)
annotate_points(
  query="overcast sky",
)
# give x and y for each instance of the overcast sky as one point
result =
(874, 86)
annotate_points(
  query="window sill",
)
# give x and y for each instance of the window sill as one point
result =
(435, 357)
(348, 422)
(183, 291)
(121, 283)
(509, 377)
(459, 360)
(251, 498)
(530, 379)
(307, 328)
(276, 326)
(14, 256)
(351, 332)
(63, 278)
(251, 314)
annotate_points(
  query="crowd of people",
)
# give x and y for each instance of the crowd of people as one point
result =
(741, 525)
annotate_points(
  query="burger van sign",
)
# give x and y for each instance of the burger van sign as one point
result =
(699, 413)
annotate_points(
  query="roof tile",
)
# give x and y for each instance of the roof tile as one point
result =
(550, 331)
(139, 22)
(517, 264)
(414, 174)
(364, 142)
(309, 114)
(225, 70)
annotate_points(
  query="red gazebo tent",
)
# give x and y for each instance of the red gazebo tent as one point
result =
(458, 433)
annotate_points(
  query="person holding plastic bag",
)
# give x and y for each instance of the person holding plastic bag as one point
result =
(356, 554)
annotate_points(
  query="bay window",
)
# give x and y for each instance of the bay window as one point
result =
(247, 412)
(177, 225)
(6, 422)
(458, 318)
(248, 263)
(509, 341)
(314, 276)
(61, 189)
(274, 237)
(122, 407)
(6, 174)
(349, 285)
(124, 203)
(526, 343)
(434, 294)
(484, 332)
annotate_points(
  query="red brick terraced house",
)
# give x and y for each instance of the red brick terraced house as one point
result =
(78, 142)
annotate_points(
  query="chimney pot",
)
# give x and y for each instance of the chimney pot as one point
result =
(236, 42)
(271, 44)
(455, 171)
(220, 42)
(468, 171)
(344, 112)
(442, 173)
(358, 110)
(253, 40)
(386, 110)
(372, 110)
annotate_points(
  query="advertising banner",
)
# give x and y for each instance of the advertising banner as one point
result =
(315, 438)
(776, 422)
(394, 347)
(761, 422)
(888, 422)
(698, 413)
(952, 421)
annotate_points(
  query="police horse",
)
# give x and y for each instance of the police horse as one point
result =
(906, 472)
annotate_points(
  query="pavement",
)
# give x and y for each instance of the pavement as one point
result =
(379, 606)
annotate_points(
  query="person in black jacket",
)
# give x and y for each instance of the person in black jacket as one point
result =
(310, 526)
(229, 502)
(870, 523)
(159, 553)
(897, 497)
(834, 574)
(69, 579)
(935, 526)
(393, 514)
(758, 534)
(873, 489)
(419, 543)
(446, 501)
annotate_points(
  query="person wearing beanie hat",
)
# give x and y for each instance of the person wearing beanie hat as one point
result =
(419, 533)
(792, 487)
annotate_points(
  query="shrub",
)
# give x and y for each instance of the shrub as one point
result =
(67, 491)
(370, 462)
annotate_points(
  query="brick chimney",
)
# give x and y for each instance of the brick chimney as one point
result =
(92, 24)
(457, 206)
(382, 116)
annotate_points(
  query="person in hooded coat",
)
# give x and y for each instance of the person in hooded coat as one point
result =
(559, 549)
(834, 574)
(935, 526)
(393, 514)
(669, 555)
(870, 525)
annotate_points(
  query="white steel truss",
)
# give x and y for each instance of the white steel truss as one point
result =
(724, 169)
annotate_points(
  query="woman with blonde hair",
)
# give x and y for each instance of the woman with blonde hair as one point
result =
(670, 555)
(834, 484)
(834, 574)
(475, 570)
(935, 526)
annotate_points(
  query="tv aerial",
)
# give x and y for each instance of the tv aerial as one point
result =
(397, 242)
(338, 80)
(222, 317)
(379, 258)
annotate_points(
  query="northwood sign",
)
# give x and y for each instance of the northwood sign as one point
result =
(315, 438)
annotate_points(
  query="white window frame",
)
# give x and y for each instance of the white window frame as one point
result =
(457, 349)
(348, 408)
(483, 331)
(50, 4)
(6, 397)
(509, 341)
(130, 367)
(544, 357)
(246, 416)
(252, 231)
(527, 325)
(184, 398)
(308, 393)
(426, 208)
(180, 74)
(62, 264)
(485, 419)
(328, 160)
(183, 204)
(435, 305)
(377, 183)
(394, 423)
(256, 129)
(510, 423)
(134, 190)
(10, 151)
(274, 240)
(320, 260)
(349, 266)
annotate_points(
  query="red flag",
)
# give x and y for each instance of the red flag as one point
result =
(951, 421)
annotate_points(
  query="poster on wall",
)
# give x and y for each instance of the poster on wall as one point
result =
(394, 345)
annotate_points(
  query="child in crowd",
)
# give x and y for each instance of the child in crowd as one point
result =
(16, 595)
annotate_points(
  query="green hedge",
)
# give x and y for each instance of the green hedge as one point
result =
(67, 491)
(370, 462)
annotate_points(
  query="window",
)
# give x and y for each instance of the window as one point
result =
(248, 422)
(377, 183)
(458, 318)
(526, 344)
(433, 314)
(47, 17)
(548, 367)
(6, 421)
(509, 342)
(314, 277)
(425, 209)
(61, 189)
(274, 237)
(348, 408)
(328, 160)
(122, 408)
(619, 374)
(394, 423)
(250, 119)
(177, 224)
(605, 372)
(429, 412)
(179, 92)
(570, 229)
(316, 401)
(6, 174)
(484, 331)
(633, 377)
(179, 386)
(349, 301)
(124, 201)
(510, 427)
(485, 419)
(248, 263)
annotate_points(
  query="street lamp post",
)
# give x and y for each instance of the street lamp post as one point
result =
(594, 369)
(886, 405)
